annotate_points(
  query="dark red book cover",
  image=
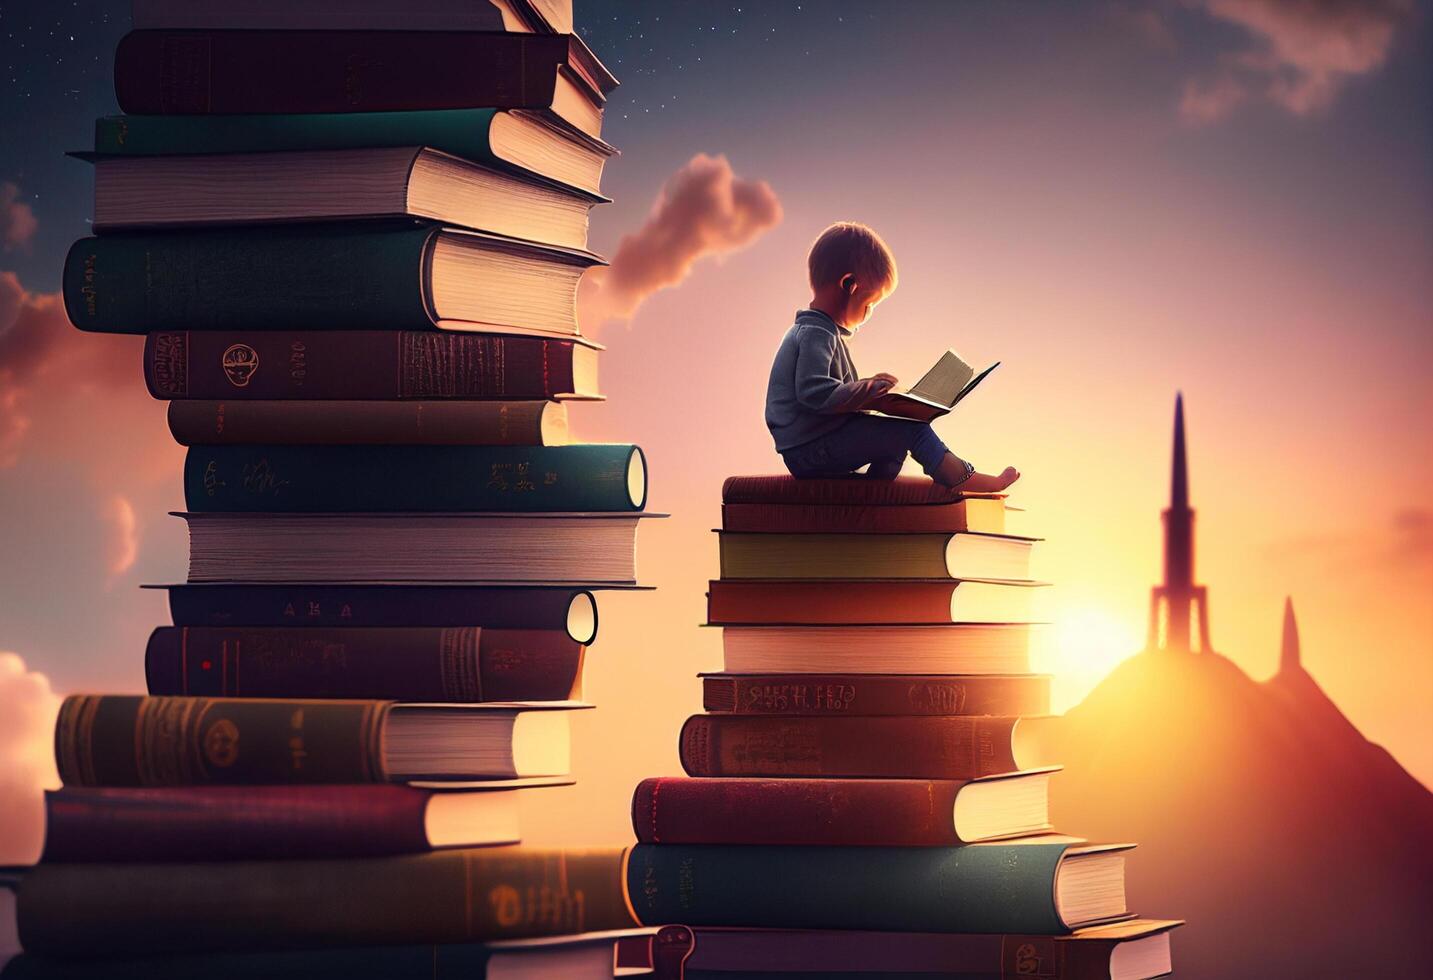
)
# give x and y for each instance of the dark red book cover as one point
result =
(355, 364)
(189, 72)
(876, 694)
(416, 663)
(837, 812)
(855, 490)
(225, 823)
(936, 747)
(863, 518)
(836, 602)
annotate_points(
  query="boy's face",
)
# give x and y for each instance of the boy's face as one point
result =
(861, 302)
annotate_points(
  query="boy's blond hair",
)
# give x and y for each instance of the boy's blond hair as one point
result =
(848, 246)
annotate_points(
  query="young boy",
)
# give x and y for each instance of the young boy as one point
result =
(814, 397)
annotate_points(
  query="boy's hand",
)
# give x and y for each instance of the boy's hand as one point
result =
(889, 379)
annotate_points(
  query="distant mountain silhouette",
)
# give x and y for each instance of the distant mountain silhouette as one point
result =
(1292, 845)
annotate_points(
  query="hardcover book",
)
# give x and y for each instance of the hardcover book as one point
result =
(322, 277)
(371, 479)
(123, 740)
(255, 823)
(949, 648)
(841, 812)
(867, 602)
(402, 663)
(221, 72)
(876, 694)
(1025, 886)
(958, 555)
(335, 185)
(368, 365)
(451, 896)
(938, 391)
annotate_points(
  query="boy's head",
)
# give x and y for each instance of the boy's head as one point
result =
(851, 271)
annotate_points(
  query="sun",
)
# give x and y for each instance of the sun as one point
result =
(1080, 647)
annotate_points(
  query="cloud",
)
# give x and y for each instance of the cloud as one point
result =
(27, 760)
(17, 220)
(1303, 52)
(123, 546)
(703, 209)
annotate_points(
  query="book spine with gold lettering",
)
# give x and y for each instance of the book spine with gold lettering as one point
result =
(455, 896)
(125, 740)
(877, 694)
(936, 747)
(415, 663)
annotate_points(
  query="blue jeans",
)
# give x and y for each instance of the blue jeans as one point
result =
(882, 442)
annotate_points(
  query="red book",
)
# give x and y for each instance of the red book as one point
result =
(934, 747)
(383, 365)
(854, 490)
(190, 72)
(840, 812)
(412, 663)
(232, 823)
(876, 694)
(969, 514)
(872, 602)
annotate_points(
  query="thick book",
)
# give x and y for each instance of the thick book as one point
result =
(957, 555)
(949, 648)
(871, 602)
(356, 276)
(348, 15)
(335, 185)
(126, 740)
(1137, 949)
(876, 694)
(367, 365)
(1023, 886)
(436, 548)
(842, 747)
(306, 479)
(326, 605)
(451, 896)
(851, 491)
(321, 422)
(256, 823)
(841, 812)
(399, 663)
(937, 392)
(967, 514)
(523, 142)
(221, 72)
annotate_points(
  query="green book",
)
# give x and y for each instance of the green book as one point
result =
(1036, 886)
(351, 276)
(309, 479)
(513, 140)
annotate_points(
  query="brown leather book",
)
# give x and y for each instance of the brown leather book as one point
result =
(876, 694)
(853, 490)
(849, 747)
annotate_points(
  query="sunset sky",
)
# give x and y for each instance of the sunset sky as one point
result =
(1228, 198)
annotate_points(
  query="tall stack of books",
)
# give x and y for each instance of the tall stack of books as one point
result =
(351, 234)
(859, 798)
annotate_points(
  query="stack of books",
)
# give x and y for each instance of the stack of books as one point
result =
(351, 234)
(860, 799)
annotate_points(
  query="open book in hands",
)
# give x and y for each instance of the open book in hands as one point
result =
(938, 391)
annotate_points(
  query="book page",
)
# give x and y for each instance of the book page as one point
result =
(943, 382)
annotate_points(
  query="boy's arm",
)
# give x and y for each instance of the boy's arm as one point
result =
(819, 390)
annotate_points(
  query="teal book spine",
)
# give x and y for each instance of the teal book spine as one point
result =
(981, 888)
(461, 132)
(311, 479)
(352, 277)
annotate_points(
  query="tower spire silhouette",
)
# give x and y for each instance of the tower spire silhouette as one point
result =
(1178, 593)
(1289, 658)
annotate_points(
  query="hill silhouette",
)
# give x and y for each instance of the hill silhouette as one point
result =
(1292, 845)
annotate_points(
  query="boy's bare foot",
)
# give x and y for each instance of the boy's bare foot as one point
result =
(952, 474)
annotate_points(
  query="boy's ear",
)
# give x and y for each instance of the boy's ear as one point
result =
(848, 284)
